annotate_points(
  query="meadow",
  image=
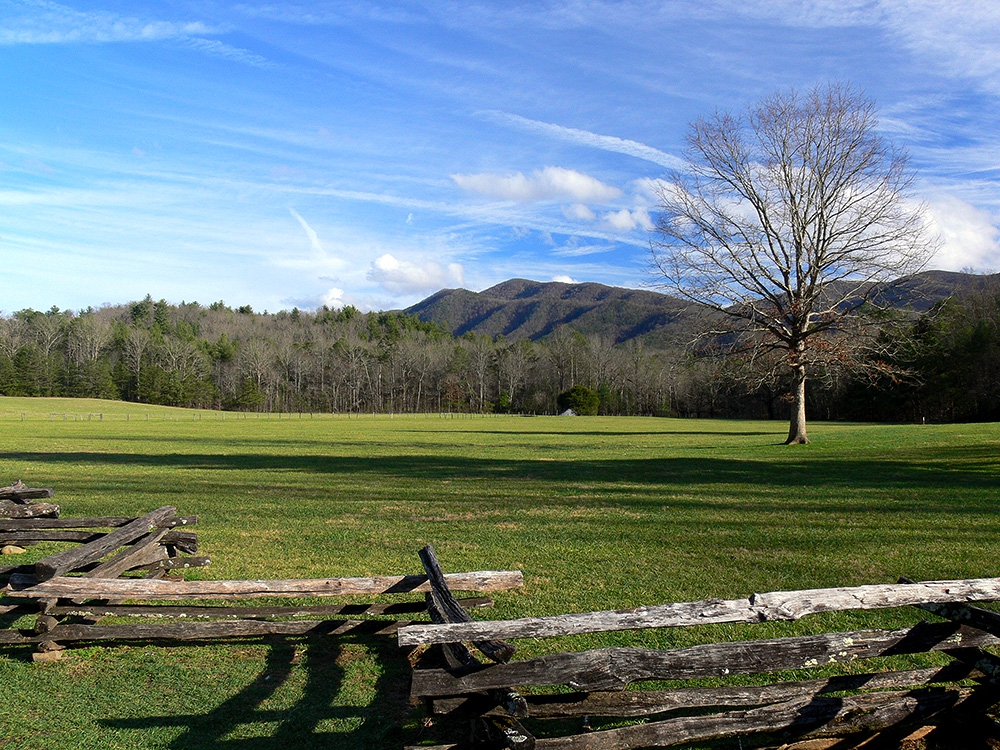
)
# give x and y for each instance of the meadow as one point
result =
(599, 513)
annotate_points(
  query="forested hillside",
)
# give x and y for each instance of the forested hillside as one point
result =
(631, 347)
(522, 309)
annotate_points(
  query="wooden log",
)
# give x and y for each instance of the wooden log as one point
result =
(485, 581)
(181, 541)
(146, 551)
(178, 563)
(23, 608)
(456, 655)
(199, 631)
(979, 660)
(615, 668)
(975, 617)
(451, 611)
(24, 575)
(506, 731)
(71, 559)
(45, 624)
(95, 522)
(776, 605)
(185, 541)
(49, 535)
(19, 492)
(800, 718)
(10, 509)
(638, 703)
(460, 660)
(98, 610)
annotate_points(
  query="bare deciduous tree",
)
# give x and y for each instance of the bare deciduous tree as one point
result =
(789, 220)
(89, 335)
(12, 335)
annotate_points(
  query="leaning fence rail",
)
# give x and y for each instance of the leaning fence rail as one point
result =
(598, 678)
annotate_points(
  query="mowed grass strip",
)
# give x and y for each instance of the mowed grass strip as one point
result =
(599, 513)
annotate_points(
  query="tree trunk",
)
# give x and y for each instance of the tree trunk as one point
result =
(797, 426)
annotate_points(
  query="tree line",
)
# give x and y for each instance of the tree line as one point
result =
(347, 361)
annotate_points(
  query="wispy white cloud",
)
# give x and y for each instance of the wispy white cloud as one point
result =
(314, 242)
(577, 246)
(594, 140)
(43, 22)
(215, 48)
(956, 38)
(961, 38)
(551, 183)
(311, 14)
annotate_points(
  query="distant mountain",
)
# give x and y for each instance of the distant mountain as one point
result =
(922, 290)
(523, 309)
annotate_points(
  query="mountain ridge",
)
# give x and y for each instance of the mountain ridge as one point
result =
(525, 309)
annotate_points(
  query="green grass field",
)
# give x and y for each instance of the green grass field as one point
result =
(598, 512)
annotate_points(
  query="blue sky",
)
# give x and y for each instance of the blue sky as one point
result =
(286, 154)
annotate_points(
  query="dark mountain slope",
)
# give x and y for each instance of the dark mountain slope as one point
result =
(524, 309)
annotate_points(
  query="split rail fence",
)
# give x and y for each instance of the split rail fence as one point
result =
(128, 567)
(873, 701)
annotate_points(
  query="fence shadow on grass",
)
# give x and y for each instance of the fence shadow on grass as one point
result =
(322, 717)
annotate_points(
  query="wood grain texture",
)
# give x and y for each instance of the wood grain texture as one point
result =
(71, 559)
(776, 605)
(130, 588)
(615, 668)
(806, 717)
(638, 703)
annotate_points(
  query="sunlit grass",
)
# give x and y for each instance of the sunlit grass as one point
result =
(598, 513)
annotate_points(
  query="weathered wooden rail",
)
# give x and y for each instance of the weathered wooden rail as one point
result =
(122, 559)
(597, 680)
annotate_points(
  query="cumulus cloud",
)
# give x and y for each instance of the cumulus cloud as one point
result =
(551, 183)
(563, 279)
(405, 277)
(579, 211)
(969, 235)
(334, 298)
(625, 220)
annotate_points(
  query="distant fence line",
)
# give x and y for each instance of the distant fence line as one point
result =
(223, 416)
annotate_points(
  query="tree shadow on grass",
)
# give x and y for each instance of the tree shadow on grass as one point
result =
(971, 466)
(322, 718)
